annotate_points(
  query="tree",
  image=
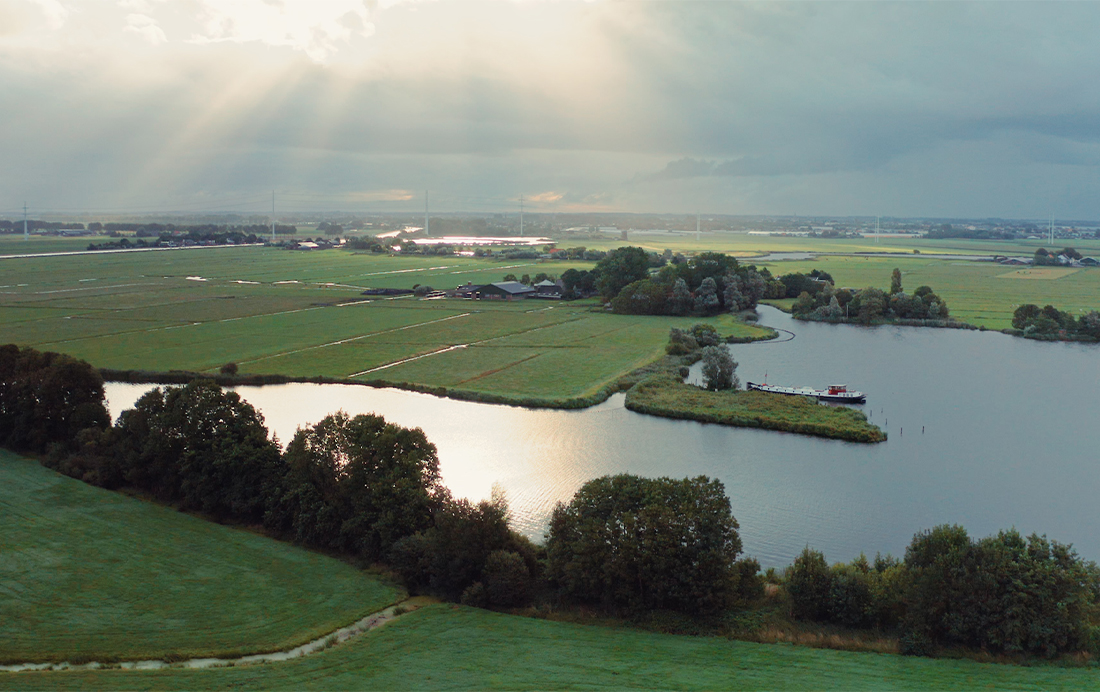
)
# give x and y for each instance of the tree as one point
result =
(718, 369)
(509, 277)
(679, 303)
(646, 297)
(1003, 593)
(47, 399)
(621, 267)
(359, 484)
(200, 446)
(870, 304)
(706, 296)
(525, 279)
(454, 552)
(808, 582)
(895, 281)
(640, 544)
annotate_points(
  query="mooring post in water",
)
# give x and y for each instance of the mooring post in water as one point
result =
(922, 430)
(901, 431)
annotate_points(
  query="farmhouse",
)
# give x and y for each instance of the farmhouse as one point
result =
(505, 290)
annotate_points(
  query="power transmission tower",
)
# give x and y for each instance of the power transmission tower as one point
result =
(26, 236)
(521, 216)
(272, 217)
(427, 226)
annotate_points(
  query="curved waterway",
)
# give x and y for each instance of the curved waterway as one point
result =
(986, 430)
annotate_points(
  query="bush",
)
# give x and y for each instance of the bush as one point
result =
(228, 369)
(507, 580)
(475, 595)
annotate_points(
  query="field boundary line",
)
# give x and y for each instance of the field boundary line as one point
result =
(355, 338)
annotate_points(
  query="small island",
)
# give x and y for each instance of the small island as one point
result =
(666, 394)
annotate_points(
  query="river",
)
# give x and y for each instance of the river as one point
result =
(986, 430)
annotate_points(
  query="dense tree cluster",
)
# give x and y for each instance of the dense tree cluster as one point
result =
(820, 300)
(1002, 593)
(702, 285)
(1050, 322)
(635, 543)
(47, 400)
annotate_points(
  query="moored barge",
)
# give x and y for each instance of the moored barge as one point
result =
(835, 392)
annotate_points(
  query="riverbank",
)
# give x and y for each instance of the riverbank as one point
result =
(665, 394)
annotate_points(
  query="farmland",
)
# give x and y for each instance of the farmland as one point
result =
(453, 647)
(302, 315)
(88, 574)
(747, 246)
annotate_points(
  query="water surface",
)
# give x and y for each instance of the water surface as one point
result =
(986, 430)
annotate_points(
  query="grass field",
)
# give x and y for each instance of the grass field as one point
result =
(744, 245)
(88, 574)
(456, 648)
(295, 315)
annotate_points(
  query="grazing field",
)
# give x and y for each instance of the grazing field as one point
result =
(747, 246)
(457, 648)
(91, 575)
(303, 315)
(976, 292)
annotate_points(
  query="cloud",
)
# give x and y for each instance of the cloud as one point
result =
(315, 28)
(545, 197)
(145, 27)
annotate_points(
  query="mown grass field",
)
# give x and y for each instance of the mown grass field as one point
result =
(457, 648)
(87, 574)
(976, 292)
(300, 314)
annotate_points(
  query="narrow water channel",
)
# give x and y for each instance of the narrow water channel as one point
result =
(986, 430)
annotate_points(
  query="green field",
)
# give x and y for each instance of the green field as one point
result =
(456, 648)
(88, 574)
(747, 246)
(296, 314)
(296, 317)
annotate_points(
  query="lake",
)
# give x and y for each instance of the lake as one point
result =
(986, 430)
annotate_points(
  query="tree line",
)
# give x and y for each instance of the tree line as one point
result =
(819, 299)
(365, 488)
(1049, 322)
(706, 284)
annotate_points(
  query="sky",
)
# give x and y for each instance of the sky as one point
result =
(933, 109)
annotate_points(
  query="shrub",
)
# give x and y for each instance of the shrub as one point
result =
(507, 580)
(228, 369)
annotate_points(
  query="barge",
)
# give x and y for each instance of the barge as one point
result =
(835, 392)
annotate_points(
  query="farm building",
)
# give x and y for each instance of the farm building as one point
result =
(505, 290)
(468, 291)
(547, 289)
